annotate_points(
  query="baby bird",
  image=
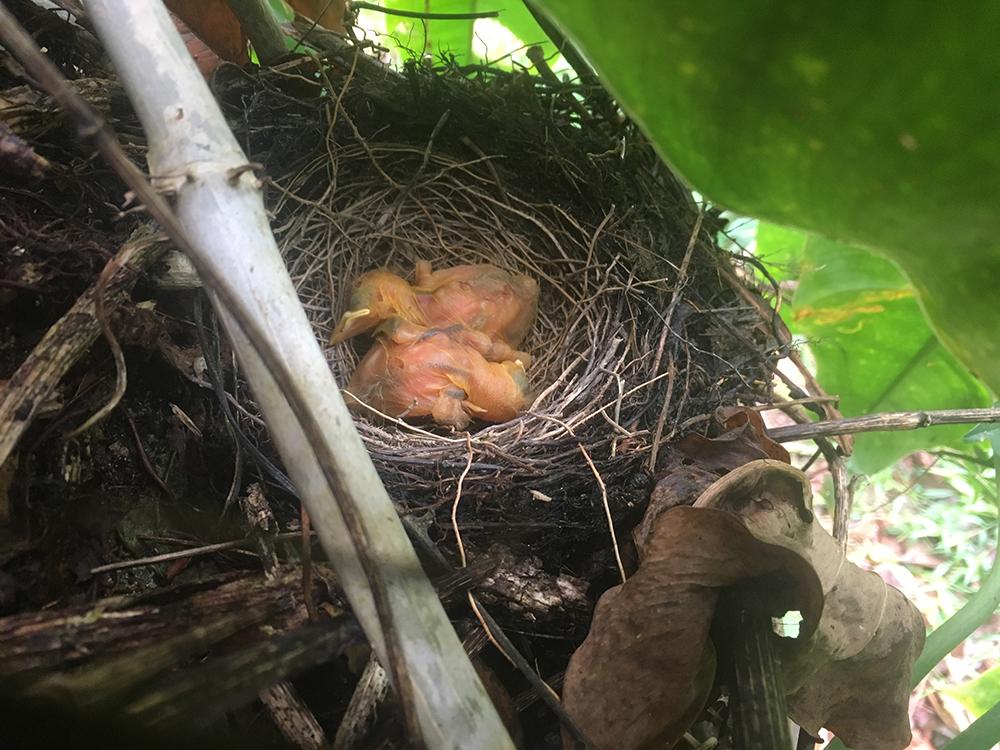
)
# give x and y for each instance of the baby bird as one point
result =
(494, 308)
(376, 297)
(483, 297)
(415, 372)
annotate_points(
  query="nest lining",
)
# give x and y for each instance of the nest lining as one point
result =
(503, 170)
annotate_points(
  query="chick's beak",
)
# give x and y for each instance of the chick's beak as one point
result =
(351, 324)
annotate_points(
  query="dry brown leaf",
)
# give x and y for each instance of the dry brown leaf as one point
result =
(215, 24)
(853, 675)
(699, 461)
(743, 439)
(203, 55)
(681, 486)
(749, 420)
(643, 673)
(327, 13)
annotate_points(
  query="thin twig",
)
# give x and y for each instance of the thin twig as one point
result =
(207, 549)
(843, 488)
(675, 299)
(544, 691)
(145, 458)
(307, 564)
(886, 422)
(795, 402)
(664, 410)
(423, 15)
(461, 550)
(408, 188)
(458, 499)
(784, 336)
(607, 510)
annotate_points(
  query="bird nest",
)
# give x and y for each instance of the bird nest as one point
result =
(638, 337)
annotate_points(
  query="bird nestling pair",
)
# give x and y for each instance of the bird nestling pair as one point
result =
(445, 346)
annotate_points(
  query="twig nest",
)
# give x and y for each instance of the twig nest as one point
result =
(502, 171)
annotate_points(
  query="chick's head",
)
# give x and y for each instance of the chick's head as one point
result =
(376, 297)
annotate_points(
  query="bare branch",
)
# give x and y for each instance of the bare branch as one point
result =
(890, 421)
(262, 28)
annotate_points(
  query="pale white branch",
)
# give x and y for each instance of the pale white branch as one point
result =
(193, 154)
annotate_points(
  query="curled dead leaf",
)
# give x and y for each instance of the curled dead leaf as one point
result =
(749, 420)
(681, 486)
(742, 438)
(698, 461)
(644, 671)
(853, 675)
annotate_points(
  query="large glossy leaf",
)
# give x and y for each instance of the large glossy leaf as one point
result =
(434, 37)
(522, 24)
(875, 124)
(872, 346)
(456, 38)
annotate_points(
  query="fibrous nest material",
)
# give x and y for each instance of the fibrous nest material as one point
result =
(639, 335)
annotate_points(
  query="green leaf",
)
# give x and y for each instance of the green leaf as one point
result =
(781, 249)
(439, 37)
(982, 734)
(434, 37)
(872, 345)
(980, 694)
(988, 431)
(281, 11)
(519, 21)
(868, 123)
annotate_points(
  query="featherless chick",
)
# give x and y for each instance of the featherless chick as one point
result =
(488, 308)
(416, 372)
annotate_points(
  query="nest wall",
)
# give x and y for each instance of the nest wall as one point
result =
(638, 336)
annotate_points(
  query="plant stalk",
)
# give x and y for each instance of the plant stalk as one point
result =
(262, 29)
